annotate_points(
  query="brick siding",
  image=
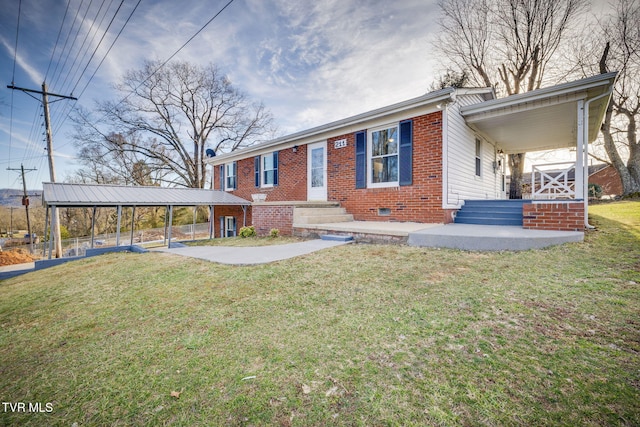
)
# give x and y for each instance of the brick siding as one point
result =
(554, 216)
(419, 202)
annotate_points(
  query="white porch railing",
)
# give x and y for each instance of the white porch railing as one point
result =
(553, 181)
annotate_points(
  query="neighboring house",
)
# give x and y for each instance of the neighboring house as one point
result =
(602, 174)
(414, 161)
(608, 179)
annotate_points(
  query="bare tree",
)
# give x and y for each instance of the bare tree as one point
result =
(621, 35)
(505, 44)
(169, 116)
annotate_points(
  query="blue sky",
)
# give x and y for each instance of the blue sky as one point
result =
(309, 62)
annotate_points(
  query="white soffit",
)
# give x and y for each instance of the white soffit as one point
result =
(541, 119)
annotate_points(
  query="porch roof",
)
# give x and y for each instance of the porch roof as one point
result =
(82, 195)
(541, 119)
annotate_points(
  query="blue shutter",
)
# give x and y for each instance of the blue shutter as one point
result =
(275, 168)
(406, 153)
(361, 159)
(256, 167)
(222, 177)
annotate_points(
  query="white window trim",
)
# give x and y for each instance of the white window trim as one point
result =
(370, 183)
(477, 156)
(263, 170)
(226, 176)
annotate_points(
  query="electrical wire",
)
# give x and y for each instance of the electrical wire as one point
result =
(53, 52)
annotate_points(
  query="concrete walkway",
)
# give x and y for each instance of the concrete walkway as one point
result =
(490, 237)
(253, 254)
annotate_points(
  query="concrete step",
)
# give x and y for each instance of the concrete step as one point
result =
(320, 215)
(322, 219)
(318, 211)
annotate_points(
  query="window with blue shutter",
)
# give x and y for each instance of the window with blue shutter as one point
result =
(406, 153)
(275, 168)
(256, 167)
(361, 159)
(221, 177)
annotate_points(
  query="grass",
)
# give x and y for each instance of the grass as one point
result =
(354, 335)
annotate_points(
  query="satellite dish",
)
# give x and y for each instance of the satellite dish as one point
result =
(210, 153)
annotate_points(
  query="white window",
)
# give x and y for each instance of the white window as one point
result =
(269, 170)
(230, 176)
(478, 157)
(383, 157)
(229, 226)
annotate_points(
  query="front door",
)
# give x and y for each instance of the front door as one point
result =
(317, 171)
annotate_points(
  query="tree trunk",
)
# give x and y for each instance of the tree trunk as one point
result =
(516, 167)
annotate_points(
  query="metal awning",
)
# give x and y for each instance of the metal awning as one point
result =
(542, 119)
(64, 195)
(100, 195)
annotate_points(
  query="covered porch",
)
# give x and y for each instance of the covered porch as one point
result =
(563, 116)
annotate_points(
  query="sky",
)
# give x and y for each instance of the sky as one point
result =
(309, 62)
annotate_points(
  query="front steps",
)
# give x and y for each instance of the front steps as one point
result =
(491, 212)
(320, 214)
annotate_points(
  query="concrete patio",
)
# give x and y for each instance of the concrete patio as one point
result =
(456, 236)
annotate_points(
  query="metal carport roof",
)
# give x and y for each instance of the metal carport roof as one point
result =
(101, 195)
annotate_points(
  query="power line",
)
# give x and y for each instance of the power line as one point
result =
(53, 52)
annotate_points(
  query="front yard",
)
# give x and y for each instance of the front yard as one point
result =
(355, 335)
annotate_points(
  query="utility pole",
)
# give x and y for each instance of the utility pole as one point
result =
(25, 203)
(55, 216)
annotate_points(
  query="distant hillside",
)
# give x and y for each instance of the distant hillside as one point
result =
(13, 197)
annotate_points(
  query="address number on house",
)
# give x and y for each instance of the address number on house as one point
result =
(340, 143)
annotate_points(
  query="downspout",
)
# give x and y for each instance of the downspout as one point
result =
(585, 165)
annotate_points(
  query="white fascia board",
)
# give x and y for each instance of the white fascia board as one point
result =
(545, 93)
(343, 126)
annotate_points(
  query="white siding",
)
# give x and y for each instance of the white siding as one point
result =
(460, 181)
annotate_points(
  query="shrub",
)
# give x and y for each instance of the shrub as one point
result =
(249, 231)
(595, 191)
(274, 233)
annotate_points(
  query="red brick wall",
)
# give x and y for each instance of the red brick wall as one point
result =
(266, 217)
(420, 202)
(235, 211)
(609, 180)
(292, 177)
(554, 216)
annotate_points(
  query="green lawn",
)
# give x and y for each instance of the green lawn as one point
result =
(356, 335)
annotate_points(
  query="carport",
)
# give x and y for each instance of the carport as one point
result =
(64, 195)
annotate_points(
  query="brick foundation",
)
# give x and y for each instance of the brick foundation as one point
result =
(266, 217)
(561, 216)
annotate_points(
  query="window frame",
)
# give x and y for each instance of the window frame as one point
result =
(228, 176)
(263, 170)
(478, 158)
(371, 157)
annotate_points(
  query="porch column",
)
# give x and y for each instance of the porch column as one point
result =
(580, 158)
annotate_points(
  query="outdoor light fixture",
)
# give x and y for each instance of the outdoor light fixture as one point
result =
(295, 148)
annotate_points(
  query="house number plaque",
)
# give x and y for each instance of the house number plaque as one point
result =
(340, 143)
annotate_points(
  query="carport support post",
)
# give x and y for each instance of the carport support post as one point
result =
(46, 224)
(118, 226)
(53, 227)
(133, 218)
(193, 230)
(169, 225)
(211, 222)
(93, 226)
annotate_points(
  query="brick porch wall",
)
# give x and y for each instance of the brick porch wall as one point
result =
(266, 217)
(554, 216)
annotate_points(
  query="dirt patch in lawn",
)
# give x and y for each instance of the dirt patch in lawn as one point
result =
(16, 256)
